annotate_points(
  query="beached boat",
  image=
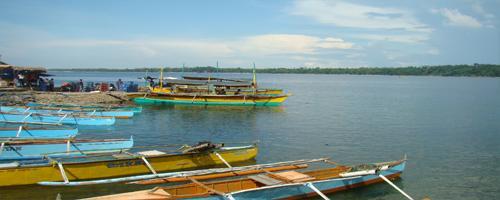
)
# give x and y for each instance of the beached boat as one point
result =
(27, 132)
(61, 110)
(16, 149)
(211, 99)
(37, 118)
(280, 185)
(135, 109)
(118, 165)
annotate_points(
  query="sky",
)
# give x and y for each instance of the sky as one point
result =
(302, 33)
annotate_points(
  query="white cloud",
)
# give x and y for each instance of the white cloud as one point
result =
(478, 8)
(455, 18)
(408, 38)
(346, 14)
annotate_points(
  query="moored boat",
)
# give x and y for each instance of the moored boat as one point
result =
(28, 132)
(24, 149)
(118, 165)
(135, 109)
(37, 118)
(209, 99)
(61, 110)
(282, 185)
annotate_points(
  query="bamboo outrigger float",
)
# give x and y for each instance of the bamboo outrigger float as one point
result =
(119, 165)
(282, 185)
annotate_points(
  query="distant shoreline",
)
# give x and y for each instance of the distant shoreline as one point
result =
(481, 70)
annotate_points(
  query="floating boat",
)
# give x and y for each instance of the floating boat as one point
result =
(135, 109)
(37, 118)
(27, 132)
(61, 110)
(209, 99)
(208, 91)
(119, 165)
(39, 148)
(277, 185)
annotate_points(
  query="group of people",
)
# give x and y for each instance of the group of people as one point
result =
(46, 84)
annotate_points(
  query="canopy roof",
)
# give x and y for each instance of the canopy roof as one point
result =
(206, 82)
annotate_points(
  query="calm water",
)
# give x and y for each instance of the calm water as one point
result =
(449, 127)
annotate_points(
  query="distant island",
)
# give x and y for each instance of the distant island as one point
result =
(486, 70)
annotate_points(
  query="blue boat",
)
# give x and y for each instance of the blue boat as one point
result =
(37, 118)
(122, 114)
(27, 132)
(37, 149)
(135, 109)
(278, 185)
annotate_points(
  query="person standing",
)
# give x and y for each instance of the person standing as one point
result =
(51, 85)
(20, 78)
(119, 85)
(80, 85)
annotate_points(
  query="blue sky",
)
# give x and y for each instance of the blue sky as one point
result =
(311, 33)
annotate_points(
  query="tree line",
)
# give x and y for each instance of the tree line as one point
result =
(488, 70)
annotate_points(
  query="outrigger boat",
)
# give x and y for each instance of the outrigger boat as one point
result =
(119, 165)
(201, 91)
(37, 118)
(209, 99)
(135, 109)
(54, 110)
(15, 149)
(27, 132)
(277, 185)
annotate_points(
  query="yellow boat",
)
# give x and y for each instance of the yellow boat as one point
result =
(212, 99)
(118, 165)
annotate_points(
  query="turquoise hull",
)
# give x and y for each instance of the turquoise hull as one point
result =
(134, 109)
(55, 119)
(118, 114)
(60, 148)
(294, 190)
(143, 100)
(41, 133)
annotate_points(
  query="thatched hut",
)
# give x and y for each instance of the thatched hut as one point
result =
(24, 76)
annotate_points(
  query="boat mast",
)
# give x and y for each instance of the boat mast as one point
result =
(254, 81)
(161, 77)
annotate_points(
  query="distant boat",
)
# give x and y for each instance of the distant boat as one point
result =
(135, 109)
(37, 118)
(39, 148)
(276, 185)
(27, 132)
(61, 110)
(118, 165)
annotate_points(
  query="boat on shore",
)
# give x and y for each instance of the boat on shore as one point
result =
(119, 165)
(41, 132)
(290, 184)
(28, 149)
(54, 118)
(120, 114)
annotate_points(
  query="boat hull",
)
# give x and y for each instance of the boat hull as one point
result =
(235, 100)
(60, 148)
(122, 108)
(299, 191)
(55, 119)
(28, 133)
(51, 110)
(26, 175)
